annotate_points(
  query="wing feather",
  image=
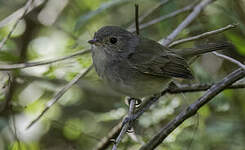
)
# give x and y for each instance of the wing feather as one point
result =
(153, 59)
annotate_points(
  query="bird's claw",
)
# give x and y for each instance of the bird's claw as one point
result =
(137, 101)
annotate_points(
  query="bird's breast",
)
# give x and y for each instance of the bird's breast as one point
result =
(120, 75)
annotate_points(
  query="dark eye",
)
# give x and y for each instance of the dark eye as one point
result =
(113, 40)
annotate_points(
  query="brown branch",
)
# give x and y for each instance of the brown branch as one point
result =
(203, 35)
(39, 63)
(59, 94)
(180, 88)
(137, 19)
(193, 108)
(26, 7)
(196, 11)
(187, 88)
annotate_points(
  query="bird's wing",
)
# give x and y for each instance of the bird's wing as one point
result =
(151, 58)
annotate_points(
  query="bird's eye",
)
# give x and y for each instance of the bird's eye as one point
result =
(113, 40)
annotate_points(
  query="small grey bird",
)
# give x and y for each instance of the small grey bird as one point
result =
(137, 66)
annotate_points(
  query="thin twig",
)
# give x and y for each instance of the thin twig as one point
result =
(162, 18)
(137, 19)
(39, 63)
(26, 7)
(203, 35)
(196, 11)
(106, 141)
(59, 94)
(149, 12)
(126, 126)
(230, 59)
(193, 108)
(17, 14)
(183, 88)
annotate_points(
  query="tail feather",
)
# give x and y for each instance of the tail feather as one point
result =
(189, 52)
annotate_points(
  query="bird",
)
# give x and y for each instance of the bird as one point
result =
(137, 66)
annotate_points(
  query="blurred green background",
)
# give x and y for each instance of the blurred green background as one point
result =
(89, 110)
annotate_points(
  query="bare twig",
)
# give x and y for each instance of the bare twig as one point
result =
(230, 59)
(185, 88)
(162, 18)
(203, 35)
(126, 126)
(196, 11)
(18, 13)
(39, 63)
(106, 141)
(137, 19)
(26, 7)
(149, 12)
(193, 108)
(59, 94)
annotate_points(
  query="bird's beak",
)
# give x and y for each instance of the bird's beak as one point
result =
(93, 41)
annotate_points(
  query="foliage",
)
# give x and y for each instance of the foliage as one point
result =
(89, 110)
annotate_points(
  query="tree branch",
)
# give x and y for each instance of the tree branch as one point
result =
(125, 126)
(149, 12)
(17, 14)
(180, 88)
(193, 108)
(26, 8)
(196, 11)
(162, 18)
(59, 94)
(230, 59)
(137, 19)
(39, 63)
(106, 141)
(203, 35)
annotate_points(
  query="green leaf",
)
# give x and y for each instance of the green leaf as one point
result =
(73, 128)
(6, 56)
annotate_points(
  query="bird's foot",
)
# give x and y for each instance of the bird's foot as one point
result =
(137, 101)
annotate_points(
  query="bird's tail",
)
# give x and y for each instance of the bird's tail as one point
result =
(189, 52)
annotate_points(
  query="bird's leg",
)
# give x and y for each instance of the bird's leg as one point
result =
(130, 118)
(137, 101)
